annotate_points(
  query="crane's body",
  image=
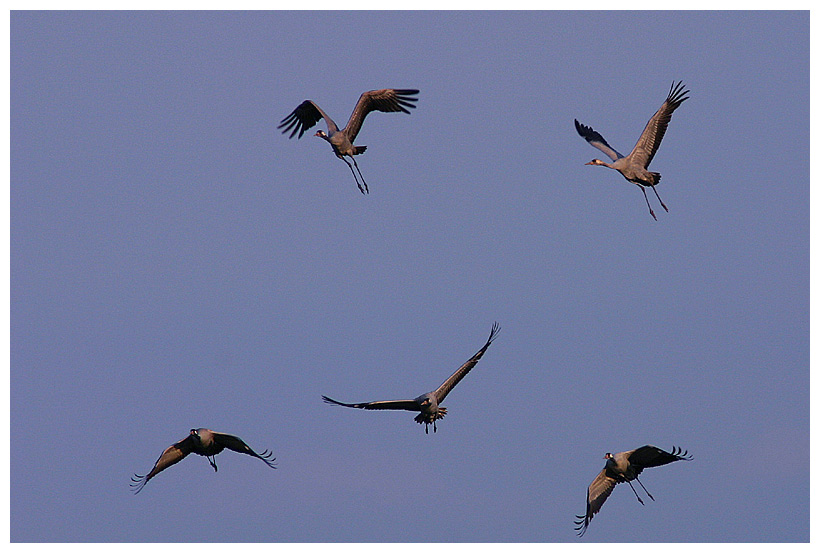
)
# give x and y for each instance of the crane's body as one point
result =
(634, 167)
(341, 141)
(631, 172)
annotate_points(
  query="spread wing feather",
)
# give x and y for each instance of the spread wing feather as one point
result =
(236, 444)
(442, 391)
(595, 139)
(387, 100)
(172, 455)
(597, 493)
(304, 117)
(398, 404)
(651, 456)
(650, 139)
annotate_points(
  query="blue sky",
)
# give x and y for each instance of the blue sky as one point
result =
(176, 262)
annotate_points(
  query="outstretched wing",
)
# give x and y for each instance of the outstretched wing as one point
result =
(598, 491)
(304, 117)
(236, 444)
(651, 456)
(650, 139)
(594, 138)
(388, 100)
(398, 404)
(174, 454)
(442, 391)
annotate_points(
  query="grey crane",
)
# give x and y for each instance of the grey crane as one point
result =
(634, 166)
(202, 442)
(624, 467)
(429, 404)
(308, 114)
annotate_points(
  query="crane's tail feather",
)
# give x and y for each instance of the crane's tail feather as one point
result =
(359, 150)
(422, 418)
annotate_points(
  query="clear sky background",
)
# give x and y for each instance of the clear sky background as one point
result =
(176, 262)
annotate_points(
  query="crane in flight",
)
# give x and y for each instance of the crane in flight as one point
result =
(308, 114)
(624, 467)
(202, 442)
(634, 166)
(428, 405)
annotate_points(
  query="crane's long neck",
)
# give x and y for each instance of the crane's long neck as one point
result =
(599, 162)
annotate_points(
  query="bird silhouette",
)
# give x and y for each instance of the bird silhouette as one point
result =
(634, 166)
(202, 442)
(429, 404)
(308, 114)
(624, 467)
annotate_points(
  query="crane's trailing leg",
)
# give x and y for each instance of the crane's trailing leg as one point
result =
(366, 190)
(362, 190)
(212, 460)
(663, 205)
(644, 489)
(636, 493)
(652, 213)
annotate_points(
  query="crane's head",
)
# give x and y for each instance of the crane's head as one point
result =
(608, 455)
(595, 162)
(427, 402)
(321, 134)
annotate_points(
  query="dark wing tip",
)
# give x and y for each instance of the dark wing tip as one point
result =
(267, 457)
(677, 94)
(285, 120)
(493, 332)
(681, 454)
(138, 482)
(584, 131)
(303, 117)
(581, 524)
(332, 401)
(403, 99)
(292, 122)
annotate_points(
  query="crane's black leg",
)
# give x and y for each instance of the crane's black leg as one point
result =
(425, 428)
(663, 205)
(365, 191)
(644, 489)
(652, 213)
(354, 174)
(434, 426)
(636, 493)
(212, 460)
